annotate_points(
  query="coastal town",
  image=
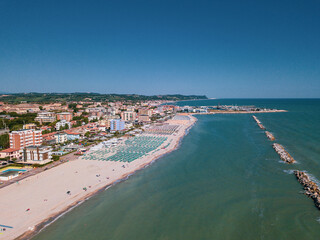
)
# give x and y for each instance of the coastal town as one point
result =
(36, 135)
(64, 152)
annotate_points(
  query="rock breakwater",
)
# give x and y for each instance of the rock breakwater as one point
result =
(258, 122)
(311, 188)
(284, 155)
(270, 136)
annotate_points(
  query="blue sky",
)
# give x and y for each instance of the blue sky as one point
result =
(223, 49)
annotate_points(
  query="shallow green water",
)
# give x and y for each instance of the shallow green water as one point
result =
(224, 182)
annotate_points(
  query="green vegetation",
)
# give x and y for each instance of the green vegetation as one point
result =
(79, 120)
(4, 141)
(95, 97)
(18, 121)
(74, 107)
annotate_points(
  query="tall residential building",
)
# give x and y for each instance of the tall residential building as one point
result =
(64, 116)
(116, 125)
(25, 138)
(128, 116)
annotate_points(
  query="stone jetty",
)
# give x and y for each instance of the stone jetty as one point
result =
(258, 122)
(270, 136)
(311, 188)
(284, 155)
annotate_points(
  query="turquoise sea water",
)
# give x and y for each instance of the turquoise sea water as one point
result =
(224, 182)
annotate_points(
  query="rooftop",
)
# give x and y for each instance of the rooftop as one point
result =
(9, 150)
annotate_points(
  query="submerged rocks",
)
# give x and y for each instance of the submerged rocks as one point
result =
(311, 188)
(284, 155)
(270, 136)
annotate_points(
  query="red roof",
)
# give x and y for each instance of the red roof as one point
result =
(48, 134)
(9, 150)
(70, 132)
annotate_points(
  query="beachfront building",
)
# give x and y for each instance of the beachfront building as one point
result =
(67, 116)
(24, 138)
(128, 115)
(63, 124)
(10, 153)
(37, 154)
(116, 125)
(45, 117)
(60, 137)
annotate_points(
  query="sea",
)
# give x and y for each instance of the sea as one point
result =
(225, 181)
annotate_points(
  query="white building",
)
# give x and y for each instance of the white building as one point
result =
(45, 117)
(61, 137)
(62, 124)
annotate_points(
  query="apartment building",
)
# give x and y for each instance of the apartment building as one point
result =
(116, 125)
(44, 117)
(25, 138)
(60, 137)
(145, 111)
(128, 116)
(64, 116)
(62, 124)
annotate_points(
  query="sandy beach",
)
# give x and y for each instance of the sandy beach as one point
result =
(30, 204)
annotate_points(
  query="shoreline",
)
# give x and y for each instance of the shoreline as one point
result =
(80, 198)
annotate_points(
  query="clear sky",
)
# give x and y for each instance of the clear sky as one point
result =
(228, 48)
